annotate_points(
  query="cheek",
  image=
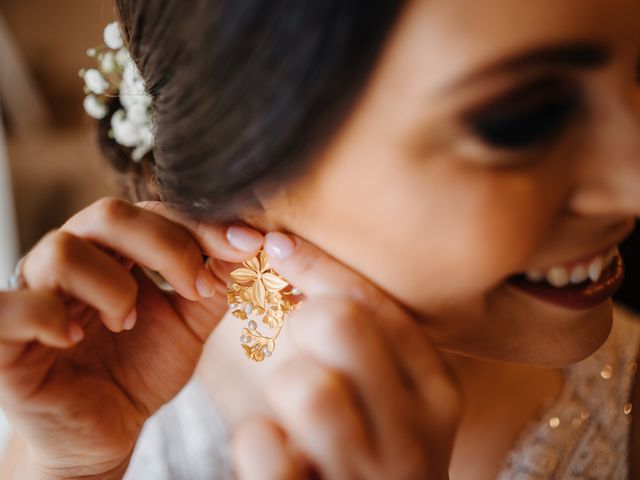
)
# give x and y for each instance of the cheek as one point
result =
(437, 237)
(475, 232)
(496, 224)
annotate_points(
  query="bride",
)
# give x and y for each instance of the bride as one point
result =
(445, 183)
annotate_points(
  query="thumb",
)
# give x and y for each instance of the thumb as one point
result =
(316, 273)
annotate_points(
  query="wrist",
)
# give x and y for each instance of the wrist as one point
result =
(27, 469)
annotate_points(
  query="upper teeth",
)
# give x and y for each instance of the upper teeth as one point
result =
(561, 276)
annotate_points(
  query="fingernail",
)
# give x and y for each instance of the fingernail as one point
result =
(205, 284)
(130, 321)
(279, 245)
(75, 332)
(244, 238)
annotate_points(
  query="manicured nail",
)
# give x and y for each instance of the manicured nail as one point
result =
(75, 332)
(244, 238)
(279, 245)
(205, 284)
(130, 321)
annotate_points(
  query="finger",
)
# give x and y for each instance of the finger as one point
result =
(64, 262)
(317, 274)
(149, 240)
(28, 315)
(231, 243)
(221, 269)
(259, 451)
(340, 334)
(318, 412)
(207, 312)
(226, 245)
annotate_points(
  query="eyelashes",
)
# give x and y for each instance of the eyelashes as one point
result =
(530, 116)
(527, 122)
(518, 130)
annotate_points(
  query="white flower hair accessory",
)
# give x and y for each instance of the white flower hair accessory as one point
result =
(116, 75)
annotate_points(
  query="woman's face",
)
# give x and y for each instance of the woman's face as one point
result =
(494, 138)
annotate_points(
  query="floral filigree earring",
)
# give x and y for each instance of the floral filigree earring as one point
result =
(259, 293)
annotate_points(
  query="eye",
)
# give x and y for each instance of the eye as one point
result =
(526, 117)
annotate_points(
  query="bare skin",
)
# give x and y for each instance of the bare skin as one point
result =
(414, 208)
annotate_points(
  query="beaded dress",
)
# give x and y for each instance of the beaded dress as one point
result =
(584, 433)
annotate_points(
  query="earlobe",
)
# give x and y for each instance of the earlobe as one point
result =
(261, 221)
(273, 214)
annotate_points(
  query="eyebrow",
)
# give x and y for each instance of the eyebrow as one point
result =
(580, 55)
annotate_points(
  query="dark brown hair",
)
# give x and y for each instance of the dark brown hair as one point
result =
(245, 92)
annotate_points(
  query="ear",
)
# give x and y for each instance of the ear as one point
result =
(274, 213)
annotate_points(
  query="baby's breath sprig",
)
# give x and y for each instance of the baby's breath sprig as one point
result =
(116, 75)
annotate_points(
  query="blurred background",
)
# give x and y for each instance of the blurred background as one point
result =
(49, 164)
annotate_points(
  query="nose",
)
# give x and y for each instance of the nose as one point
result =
(608, 180)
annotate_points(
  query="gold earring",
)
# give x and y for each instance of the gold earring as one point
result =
(259, 293)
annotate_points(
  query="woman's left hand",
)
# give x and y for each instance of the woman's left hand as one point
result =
(368, 396)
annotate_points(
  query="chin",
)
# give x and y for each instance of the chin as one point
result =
(528, 331)
(559, 337)
(584, 332)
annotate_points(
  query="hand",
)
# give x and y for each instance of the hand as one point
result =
(367, 397)
(80, 404)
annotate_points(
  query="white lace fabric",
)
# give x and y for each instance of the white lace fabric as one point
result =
(584, 433)
(184, 440)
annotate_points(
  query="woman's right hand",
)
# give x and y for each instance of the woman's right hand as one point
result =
(365, 392)
(77, 378)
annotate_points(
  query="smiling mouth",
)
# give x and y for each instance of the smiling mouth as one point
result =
(581, 285)
(590, 268)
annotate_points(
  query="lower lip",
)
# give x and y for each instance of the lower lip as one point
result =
(575, 297)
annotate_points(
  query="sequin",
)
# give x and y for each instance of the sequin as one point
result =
(606, 372)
